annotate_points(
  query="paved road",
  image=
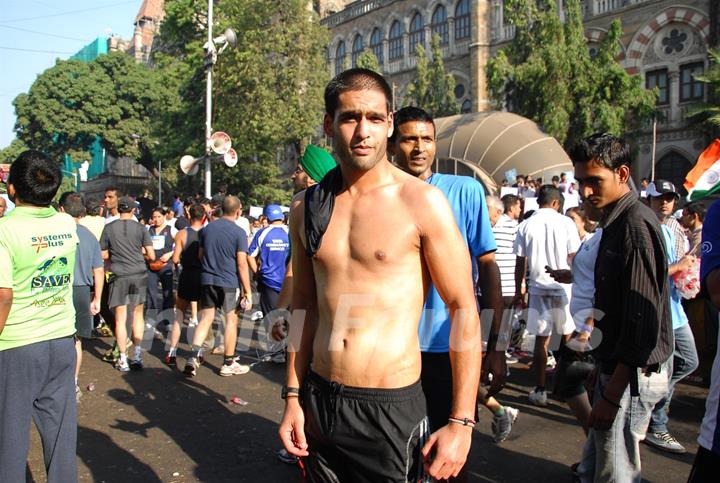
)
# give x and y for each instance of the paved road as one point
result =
(157, 425)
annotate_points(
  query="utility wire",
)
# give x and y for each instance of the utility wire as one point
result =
(37, 51)
(42, 33)
(68, 12)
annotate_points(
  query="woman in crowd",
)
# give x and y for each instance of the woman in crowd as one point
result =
(161, 270)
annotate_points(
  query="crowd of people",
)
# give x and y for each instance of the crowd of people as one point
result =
(376, 312)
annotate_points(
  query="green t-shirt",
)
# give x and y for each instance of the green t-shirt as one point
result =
(37, 257)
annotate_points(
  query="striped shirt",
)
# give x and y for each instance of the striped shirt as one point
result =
(505, 231)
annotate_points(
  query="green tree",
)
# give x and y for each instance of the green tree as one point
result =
(709, 113)
(267, 92)
(367, 60)
(9, 153)
(548, 75)
(73, 103)
(433, 89)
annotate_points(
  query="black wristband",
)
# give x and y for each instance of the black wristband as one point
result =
(289, 391)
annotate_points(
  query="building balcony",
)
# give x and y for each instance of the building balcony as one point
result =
(352, 11)
(592, 8)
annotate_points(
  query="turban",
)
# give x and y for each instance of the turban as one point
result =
(317, 162)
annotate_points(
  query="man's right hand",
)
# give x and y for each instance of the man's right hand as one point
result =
(292, 428)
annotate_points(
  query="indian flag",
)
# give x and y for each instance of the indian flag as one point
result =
(704, 179)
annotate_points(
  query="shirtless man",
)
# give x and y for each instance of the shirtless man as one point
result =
(357, 300)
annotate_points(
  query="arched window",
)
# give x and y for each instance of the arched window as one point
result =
(340, 58)
(673, 167)
(357, 49)
(439, 24)
(417, 33)
(466, 107)
(462, 20)
(396, 41)
(376, 45)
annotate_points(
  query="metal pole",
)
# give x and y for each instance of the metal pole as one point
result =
(159, 182)
(208, 104)
(652, 166)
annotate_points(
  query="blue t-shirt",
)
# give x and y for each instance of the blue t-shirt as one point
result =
(467, 200)
(272, 244)
(221, 241)
(710, 247)
(87, 258)
(676, 309)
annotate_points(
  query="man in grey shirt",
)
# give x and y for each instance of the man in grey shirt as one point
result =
(127, 244)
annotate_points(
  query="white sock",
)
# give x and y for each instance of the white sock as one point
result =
(138, 350)
(123, 357)
(173, 351)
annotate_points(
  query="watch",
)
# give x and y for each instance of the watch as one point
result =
(289, 391)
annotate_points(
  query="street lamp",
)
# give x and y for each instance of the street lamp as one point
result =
(228, 38)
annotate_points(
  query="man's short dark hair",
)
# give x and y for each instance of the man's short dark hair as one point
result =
(547, 194)
(63, 197)
(604, 149)
(509, 201)
(696, 208)
(355, 80)
(115, 189)
(73, 205)
(36, 178)
(160, 209)
(409, 114)
(556, 178)
(197, 212)
(92, 206)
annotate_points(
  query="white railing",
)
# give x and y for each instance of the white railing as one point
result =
(354, 10)
(599, 7)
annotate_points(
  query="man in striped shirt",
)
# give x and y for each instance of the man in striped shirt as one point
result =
(505, 231)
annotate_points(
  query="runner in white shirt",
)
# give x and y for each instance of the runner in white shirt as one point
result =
(546, 239)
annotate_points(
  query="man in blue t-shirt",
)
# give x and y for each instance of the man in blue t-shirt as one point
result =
(413, 147)
(268, 257)
(224, 268)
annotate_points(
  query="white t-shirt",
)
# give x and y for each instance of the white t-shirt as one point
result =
(243, 223)
(505, 230)
(546, 238)
(583, 273)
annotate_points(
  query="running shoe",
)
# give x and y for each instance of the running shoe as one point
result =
(234, 369)
(103, 330)
(122, 365)
(191, 367)
(538, 398)
(510, 358)
(502, 424)
(170, 360)
(136, 364)
(286, 457)
(112, 355)
(664, 441)
(551, 362)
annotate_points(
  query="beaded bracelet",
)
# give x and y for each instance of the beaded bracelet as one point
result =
(462, 421)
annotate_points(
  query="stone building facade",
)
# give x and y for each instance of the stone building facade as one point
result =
(664, 41)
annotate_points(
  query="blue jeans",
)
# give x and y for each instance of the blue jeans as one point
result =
(614, 455)
(683, 363)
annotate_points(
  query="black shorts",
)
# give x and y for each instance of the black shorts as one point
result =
(128, 290)
(572, 371)
(83, 318)
(189, 285)
(362, 434)
(212, 296)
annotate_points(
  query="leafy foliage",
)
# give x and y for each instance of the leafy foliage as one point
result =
(368, 60)
(433, 88)
(548, 75)
(12, 151)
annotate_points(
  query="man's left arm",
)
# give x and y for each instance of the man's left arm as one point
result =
(242, 266)
(445, 254)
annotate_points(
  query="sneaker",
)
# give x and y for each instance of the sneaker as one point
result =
(510, 358)
(170, 360)
(551, 362)
(122, 365)
(664, 441)
(286, 457)
(112, 354)
(191, 367)
(136, 364)
(234, 369)
(502, 424)
(538, 398)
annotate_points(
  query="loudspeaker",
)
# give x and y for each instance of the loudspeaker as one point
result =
(220, 142)
(230, 158)
(189, 165)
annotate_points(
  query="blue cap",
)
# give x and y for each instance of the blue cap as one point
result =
(274, 213)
